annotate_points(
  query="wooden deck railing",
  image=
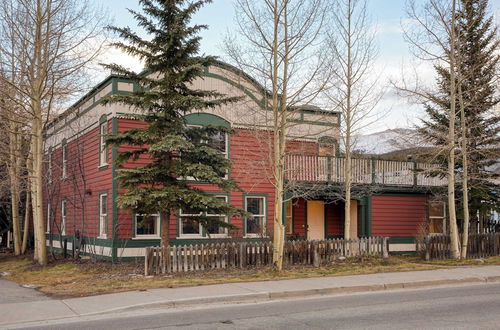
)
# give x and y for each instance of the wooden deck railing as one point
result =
(305, 168)
(244, 255)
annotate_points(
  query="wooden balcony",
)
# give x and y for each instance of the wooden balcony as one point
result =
(317, 169)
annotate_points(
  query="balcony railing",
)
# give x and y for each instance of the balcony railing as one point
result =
(304, 168)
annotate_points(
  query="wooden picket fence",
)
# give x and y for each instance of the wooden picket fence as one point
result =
(245, 255)
(479, 246)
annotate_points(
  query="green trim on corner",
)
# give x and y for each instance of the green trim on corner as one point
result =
(369, 216)
(114, 191)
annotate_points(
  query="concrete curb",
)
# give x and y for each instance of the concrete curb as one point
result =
(269, 296)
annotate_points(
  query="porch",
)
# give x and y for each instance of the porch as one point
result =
(324, 219)
(329, 169)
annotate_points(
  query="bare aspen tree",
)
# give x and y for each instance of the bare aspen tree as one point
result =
(278, 45)
(432, 38)
(51, 43)
(353, 89)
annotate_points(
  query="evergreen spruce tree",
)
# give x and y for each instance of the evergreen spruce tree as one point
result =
(478, 65)
(174, 150)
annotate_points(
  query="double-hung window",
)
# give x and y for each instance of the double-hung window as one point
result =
(190, 227)
(63, 217)
(103, 215)
(103, 149)
(147, 226)
(64, 166)
(256, 224)
(437, 223)
(48, 216)
(213, 228)
(218, 141)
(289, 217)
(49, 166)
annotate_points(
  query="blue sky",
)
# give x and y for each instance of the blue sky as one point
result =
(386, 15)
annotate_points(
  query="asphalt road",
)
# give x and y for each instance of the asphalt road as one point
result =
(461, 307)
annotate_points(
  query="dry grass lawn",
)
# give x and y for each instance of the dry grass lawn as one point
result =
(70, 278)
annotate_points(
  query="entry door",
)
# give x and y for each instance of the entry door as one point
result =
(315, 220)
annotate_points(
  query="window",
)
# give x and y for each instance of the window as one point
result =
(289, 217)
(48, 216)
(255, 225)
(64, 160)
(103, 149)
(437, 223)
(63, 217)
(213, 228)
(219, 141)
(189, 227)
(326, 146)
(147, 225)
(103, 215)
(49, 166)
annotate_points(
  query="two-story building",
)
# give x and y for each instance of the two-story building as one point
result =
(390, 198)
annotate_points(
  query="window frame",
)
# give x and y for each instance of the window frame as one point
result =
(157, 227)
(64, 215)
(203, 232)
(64, 160)
(49, 165)
(225, 153)
(103, 217)
(200, 230)
(289, 217)
(225, 234)
(103, 147)
(47, 227)
(264, 215)
(443, 217)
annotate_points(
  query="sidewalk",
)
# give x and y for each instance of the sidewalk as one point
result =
(22, 312)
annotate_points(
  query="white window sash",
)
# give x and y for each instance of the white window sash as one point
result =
(103, 217)
(64, 161)
(103, 155)
(157, 227)
(63, 217)
(261, 216)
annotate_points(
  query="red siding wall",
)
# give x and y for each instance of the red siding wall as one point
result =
(299, 217)
(249, 154)
(398, 215)
(82, 186)
(335, 219)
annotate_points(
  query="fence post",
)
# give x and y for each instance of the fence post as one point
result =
(426, 246)
(315, 254)
(385, 247)
(146, 268)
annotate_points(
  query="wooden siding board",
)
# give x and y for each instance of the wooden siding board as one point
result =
(398, 215)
